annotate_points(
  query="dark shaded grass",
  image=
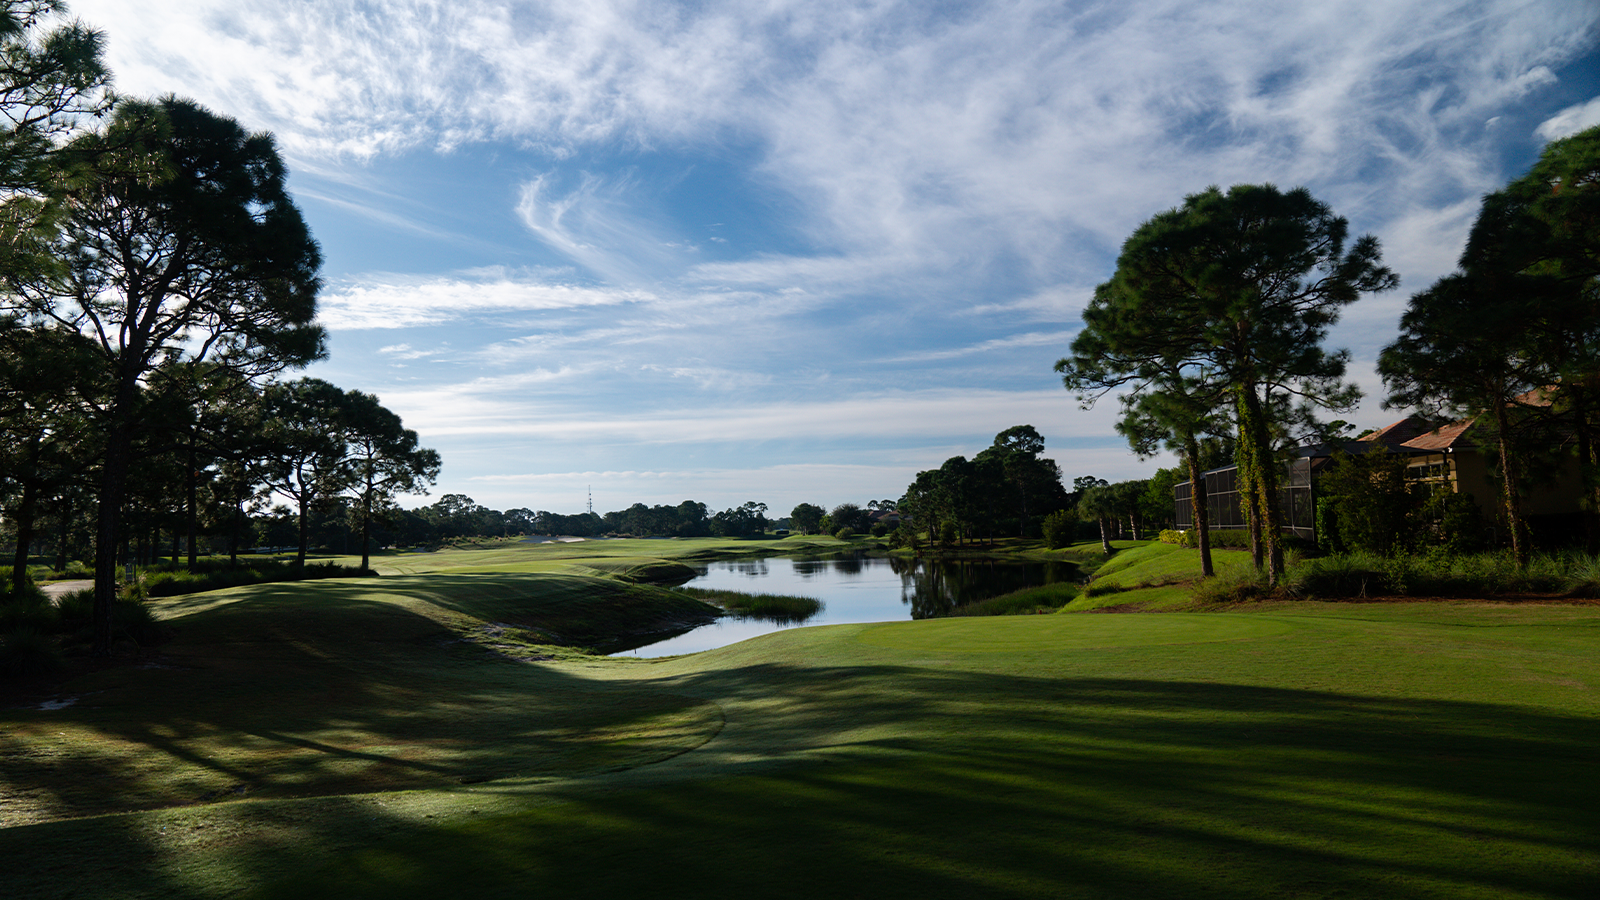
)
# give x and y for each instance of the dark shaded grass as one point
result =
(1106, 788)
(302, 691)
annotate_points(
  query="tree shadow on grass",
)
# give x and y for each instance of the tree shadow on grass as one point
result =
(900, 781)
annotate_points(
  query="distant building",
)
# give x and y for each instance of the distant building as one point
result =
(1450, 455)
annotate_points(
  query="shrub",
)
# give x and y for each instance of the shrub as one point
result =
(1233, 587)
(1179, 538)
(845, 533)
(28, 653)
(134, 621)
(1059, 528)
(903, 536)
(30, 609)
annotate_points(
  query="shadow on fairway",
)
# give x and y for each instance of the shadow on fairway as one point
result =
(906, 782)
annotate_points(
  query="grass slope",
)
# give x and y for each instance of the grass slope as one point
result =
(1301, 750)
(1149, 575)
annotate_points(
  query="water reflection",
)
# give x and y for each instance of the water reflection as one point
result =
(858, 588)
(934, 588)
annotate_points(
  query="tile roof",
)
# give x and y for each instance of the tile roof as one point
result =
(1447, 437)
(1400, 432)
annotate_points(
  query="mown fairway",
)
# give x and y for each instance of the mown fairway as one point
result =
(1298, 750)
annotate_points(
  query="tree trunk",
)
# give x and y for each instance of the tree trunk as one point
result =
(305, 531)
(113, 489)
(1588, 468)
(1511, 491)
(1105, 538)
(194, 511)
(1253, 428)
(24, 526)
(62, 534)
(1200, 511)
(366, 528)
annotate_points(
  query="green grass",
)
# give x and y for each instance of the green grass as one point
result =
(1149, 575)
(401, 737)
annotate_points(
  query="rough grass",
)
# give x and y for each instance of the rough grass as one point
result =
(1298, 750)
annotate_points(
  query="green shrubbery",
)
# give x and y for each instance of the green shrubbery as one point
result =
(1232, 538)
(34, 631)
(1059, 529)
(1237, 586)
(1441, 574)
(211, 577)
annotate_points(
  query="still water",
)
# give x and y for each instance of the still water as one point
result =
(857, 589)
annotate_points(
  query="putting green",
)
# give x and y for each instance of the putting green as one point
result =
(1069, 632)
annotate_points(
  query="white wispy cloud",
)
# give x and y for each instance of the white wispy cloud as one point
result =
(1035, 339)
(400, 301)
(928, 142)
(1570, 121)
(953, 180)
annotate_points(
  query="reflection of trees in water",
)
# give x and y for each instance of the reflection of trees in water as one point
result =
(932, 588)
(753, 568)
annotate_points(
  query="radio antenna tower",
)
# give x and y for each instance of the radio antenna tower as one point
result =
(591, 499)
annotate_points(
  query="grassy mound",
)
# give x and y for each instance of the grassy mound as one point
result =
(334, 687)
(1299, 749)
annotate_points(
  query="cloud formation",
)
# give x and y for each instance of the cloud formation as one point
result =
(831, 218)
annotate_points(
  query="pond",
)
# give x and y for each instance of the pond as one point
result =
(854, 589)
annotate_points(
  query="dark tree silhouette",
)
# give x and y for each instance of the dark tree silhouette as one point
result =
(182, 243)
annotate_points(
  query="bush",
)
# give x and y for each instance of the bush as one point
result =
(903, 536)
(1233, 587)
(28, 653)
(169, 582)
(1059, 528)
(1179, 538)
(132, 620)
(1438, 573)
(30, 609)
(845, 533)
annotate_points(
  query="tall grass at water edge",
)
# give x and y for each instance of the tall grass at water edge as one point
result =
(777, 607)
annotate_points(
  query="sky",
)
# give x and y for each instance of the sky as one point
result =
(799, 250)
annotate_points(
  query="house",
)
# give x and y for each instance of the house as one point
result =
(1456, 455)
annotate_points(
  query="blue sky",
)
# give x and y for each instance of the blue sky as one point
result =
(798, 250)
